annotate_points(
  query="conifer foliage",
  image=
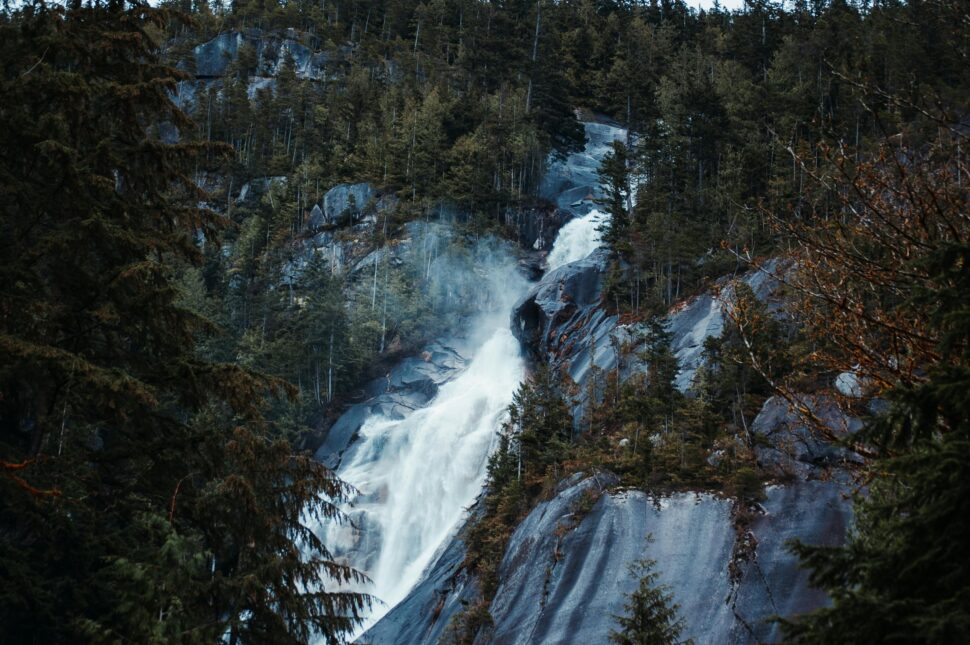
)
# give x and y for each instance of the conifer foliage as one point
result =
(143, 497)
(883, 286)
(651, 617)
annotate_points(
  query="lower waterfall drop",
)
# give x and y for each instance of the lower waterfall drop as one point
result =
(416, 476)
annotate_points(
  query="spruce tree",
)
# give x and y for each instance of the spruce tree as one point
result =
(651, 616)
(614, 172)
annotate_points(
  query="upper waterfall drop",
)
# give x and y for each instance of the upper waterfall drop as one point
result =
(577, 239)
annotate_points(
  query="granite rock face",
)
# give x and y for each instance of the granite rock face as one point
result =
(791, 447)
(559, 304)
(772, 582)
(345, 200)
(213, 58)
(566, 571)
(561, 321)
(573, 183)
(427, 612)
(699, 318)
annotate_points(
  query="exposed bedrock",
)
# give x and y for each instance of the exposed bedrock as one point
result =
(567, 566)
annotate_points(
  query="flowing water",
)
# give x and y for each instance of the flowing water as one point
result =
(417, 476)
(578, 238)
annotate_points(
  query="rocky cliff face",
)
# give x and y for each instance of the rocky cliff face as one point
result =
(566, 568)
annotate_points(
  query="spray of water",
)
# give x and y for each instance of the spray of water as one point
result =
(417, 475)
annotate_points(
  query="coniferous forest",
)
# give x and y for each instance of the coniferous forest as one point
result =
(225, 226)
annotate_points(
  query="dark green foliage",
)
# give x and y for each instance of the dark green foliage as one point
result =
(144, 496)
(542, 419)
(651, 615)
(903, 575)
(532, 446)
(614, 174)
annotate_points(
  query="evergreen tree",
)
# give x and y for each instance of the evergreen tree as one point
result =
(127, 513)
(614, 172)
(651, 616)
(544, 420)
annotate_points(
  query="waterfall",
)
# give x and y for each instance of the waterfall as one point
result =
(416, 477)
(577, 239)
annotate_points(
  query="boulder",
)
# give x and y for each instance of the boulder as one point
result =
(346, 199)
(316, 219)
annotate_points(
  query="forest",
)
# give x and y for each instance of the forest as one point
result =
(173, 349)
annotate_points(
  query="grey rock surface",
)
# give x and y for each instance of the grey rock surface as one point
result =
(570, 182)
(345, 199)
(794, 447)
(427, 612)
(567, 569)
(562, 322)
(772, 582)
(692, 539)
(558, 305)
(703, 316)
(213, 58)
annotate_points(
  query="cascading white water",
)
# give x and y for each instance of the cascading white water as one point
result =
(417, 476)
(578, 238)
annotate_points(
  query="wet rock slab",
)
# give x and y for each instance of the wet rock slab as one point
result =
(566, 571)
(425, 615)
(570, 182)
